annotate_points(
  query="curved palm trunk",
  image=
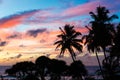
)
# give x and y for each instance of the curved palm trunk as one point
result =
(99, 64)
(105, 55)
(72, 58)
(71, 53)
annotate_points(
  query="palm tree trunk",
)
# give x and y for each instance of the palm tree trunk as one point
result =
(73, 58)
(71, 53)
(105, 55)
(99, 64)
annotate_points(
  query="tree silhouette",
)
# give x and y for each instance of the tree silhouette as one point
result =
(68, 40)
(10, 72)
(57, 68)
(31, 77)
(21, 69)
(101, 33)
(102, 29)
(42, 65)
(111, 68)
(77, 70)
(112, 65)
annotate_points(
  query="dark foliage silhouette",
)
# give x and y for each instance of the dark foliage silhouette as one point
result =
(57, 68)
(42, 66)
(31, 77)
(111, 68)
(68, 40)
(21, 69)
(77, 70)
(115, 51)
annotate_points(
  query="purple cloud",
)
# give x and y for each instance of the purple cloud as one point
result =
(3, 43)
(16, 35)
(34, 33)
(16, 57)
(22, 45)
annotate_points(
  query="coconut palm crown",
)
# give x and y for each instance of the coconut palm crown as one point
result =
(69, 41)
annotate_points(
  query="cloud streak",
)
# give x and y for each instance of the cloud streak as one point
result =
(15, 19)
(34, 33)
(16, 57)
(14, 36)
(80, 9)
(3, 43)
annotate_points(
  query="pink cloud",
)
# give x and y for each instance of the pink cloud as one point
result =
(50, 17)
(80, 9)
(15, 19)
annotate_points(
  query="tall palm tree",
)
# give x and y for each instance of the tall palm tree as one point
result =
(69, 41)
(101, 33)
(102, 28)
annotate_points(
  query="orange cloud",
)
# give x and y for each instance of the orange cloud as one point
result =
(10, 23)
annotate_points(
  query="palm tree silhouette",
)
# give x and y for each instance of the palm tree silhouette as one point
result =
(101, 33)
(115, 51)
(42, 63)
(69, 40)
(102, 29)
(114, 58)
(77, 70)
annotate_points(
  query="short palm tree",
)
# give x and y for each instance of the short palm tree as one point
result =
(115, 51)
(69, 41)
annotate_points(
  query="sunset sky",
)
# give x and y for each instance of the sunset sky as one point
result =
(28, 28)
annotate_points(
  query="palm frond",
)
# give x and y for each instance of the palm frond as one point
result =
(58, 46)
(77, 46)
(57, 42)
(93, 15)
(77, 40)
(62, 30)
(75, 35)
(113, 17)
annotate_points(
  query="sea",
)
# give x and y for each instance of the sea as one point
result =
(3, 68)
(91, 69)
